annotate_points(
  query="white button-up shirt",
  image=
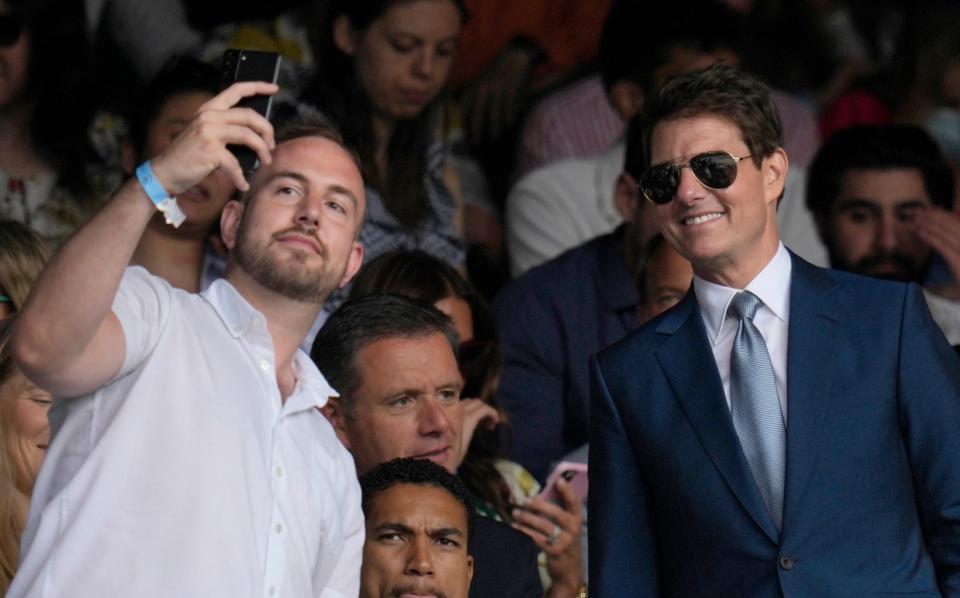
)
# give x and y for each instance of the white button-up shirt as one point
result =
(187, 475)
(772, 287)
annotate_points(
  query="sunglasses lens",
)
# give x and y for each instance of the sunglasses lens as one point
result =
(659, 183)
(716, 170)
(10, 28)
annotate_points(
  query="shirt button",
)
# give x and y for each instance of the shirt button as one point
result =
(279, 472)
(280, 529)
(786, 563)
(272, 591)
(265, 365)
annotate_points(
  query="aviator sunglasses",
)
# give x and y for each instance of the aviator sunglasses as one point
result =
(714, 170)
(10, 28)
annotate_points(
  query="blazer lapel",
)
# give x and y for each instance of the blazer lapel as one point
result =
(810, 358)
(682, 357)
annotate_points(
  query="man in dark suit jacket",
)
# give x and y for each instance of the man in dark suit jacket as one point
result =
(809, 448)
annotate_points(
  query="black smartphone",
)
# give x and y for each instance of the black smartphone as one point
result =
(250, 65)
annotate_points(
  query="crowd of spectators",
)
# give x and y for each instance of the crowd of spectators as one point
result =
(498, 236)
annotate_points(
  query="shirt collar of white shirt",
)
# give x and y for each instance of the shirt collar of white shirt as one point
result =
(312, 389)
(771, 285)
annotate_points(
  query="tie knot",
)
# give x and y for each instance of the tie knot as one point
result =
(745, 305)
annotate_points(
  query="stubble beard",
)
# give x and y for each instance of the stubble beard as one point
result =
(288, 276)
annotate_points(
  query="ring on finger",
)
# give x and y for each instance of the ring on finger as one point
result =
(552, 538)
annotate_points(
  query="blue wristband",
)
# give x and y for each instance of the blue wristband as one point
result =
(159, 196)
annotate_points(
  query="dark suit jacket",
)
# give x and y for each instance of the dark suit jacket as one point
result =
(551, 320)
(504, 562)
(872, 495)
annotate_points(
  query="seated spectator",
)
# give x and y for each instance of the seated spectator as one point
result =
(22, 256)
(567, 203)
(882, 197)
(24, 436)
(52, 174)
(663, 277)
(418, 528)
(169, 103)
(552, 318)
(380, 70)
(497, 484)
(393, 360)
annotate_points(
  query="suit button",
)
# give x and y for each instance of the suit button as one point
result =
(786, 563)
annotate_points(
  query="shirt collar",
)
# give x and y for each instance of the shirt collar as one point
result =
(235, 312)
(771, 285)
(312, 389)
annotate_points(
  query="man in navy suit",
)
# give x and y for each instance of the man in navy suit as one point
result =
(807, 448)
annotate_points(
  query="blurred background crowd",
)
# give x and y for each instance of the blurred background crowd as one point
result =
(495, 138)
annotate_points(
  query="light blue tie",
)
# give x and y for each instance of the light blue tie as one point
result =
(755, 406)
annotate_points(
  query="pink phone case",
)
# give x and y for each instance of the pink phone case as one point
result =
(576, 476)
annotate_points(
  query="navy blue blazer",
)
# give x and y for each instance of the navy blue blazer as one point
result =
(872, 496)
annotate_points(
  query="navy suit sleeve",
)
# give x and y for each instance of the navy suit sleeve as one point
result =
(929, 391)
(622, 549)
(531, 387)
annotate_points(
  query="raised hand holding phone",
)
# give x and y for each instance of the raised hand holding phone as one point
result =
(250, 65)
(201, 148)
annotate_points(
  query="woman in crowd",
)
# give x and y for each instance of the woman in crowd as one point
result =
(381, 67)
(51, 177)
(22, 256)
(503, 489)
(24, 435)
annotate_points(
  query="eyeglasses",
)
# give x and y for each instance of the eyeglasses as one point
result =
(11, 26)
(714, 170)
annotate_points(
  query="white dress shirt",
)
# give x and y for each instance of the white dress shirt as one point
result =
(187, 475)
(772, 287)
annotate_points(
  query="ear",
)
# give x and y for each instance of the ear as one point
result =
(775, 174)
(354, 261)
(626, 197)
(627, 98)
(344, 36)
(335, 416)
(230, 222)
(128, 157)
(469, 570)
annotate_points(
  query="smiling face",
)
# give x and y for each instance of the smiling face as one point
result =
(14, 65)
(416, 545)
(402, 60)
(24, 407)
(407, 403)
(296, 235)
(871, 227)
(203, 202)
(729, 234)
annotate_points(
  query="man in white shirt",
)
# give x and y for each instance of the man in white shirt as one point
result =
(784, 430)
(189, 456)
(882, 196)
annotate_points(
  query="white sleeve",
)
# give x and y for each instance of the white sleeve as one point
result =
(538, 223)
(142, 306)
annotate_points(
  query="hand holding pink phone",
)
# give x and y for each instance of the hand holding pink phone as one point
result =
(575, 474)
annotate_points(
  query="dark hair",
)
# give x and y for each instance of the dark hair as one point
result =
(179, 76)
(419, 472)
(335, 90)
(58, 82)
(364, 320)
(722, 91)
(638, 37)
(634, 156)
(877, 147)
